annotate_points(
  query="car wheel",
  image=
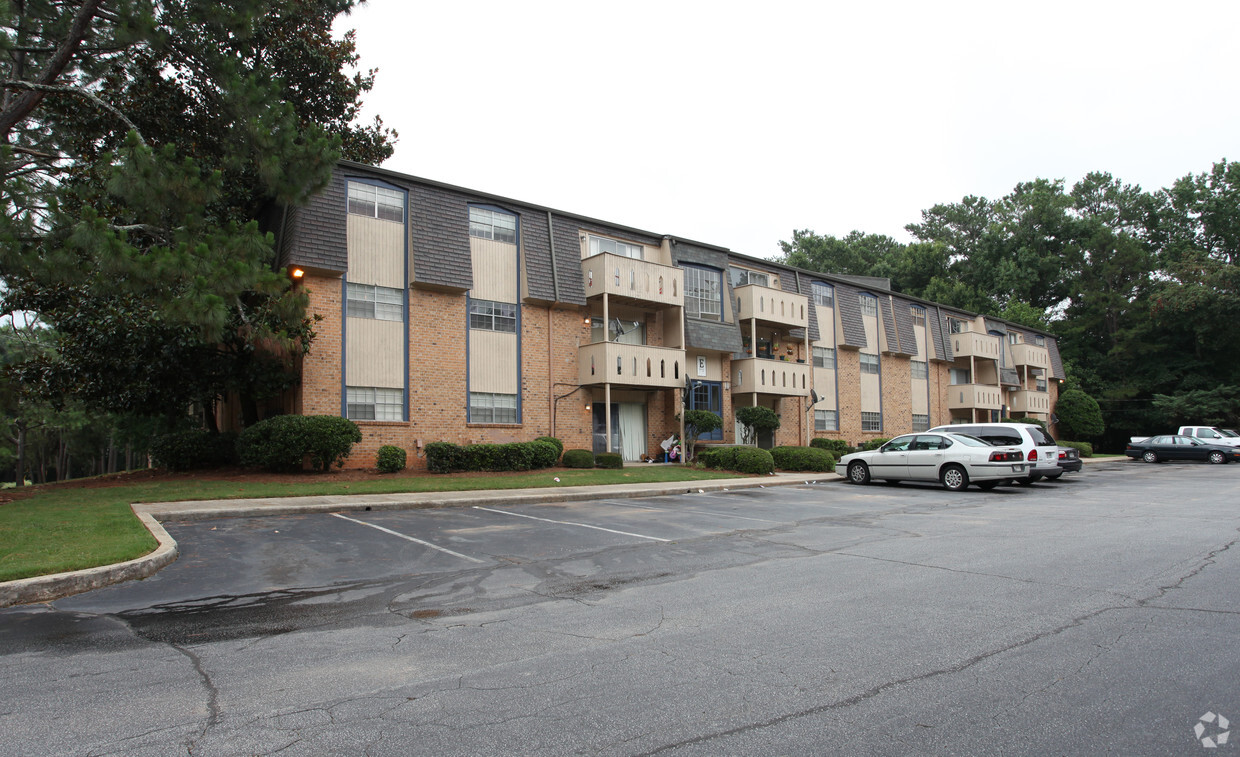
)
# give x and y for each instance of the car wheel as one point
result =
(1218, 458)
(1150, 456)
(954, 478)
(858, 473)
(987, 485)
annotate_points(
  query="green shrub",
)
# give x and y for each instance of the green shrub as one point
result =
(608, 460)
(194, 449)
(753, 460)
(481, 457)
(718, 458)
(543, 454)
(277, 444)
(1085, 448)
(578, 458)
(559, 445)
(874, 443)
(391, 459)
(802, 459)
(444, 457)
(329, 440)
(837, 447)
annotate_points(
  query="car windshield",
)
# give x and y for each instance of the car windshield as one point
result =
(1228, 433)
(970, 441)
(899, 444)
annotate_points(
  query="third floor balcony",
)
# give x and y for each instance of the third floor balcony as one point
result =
(1030, 355)
(633, 280)
(772, 306)
(975, 344)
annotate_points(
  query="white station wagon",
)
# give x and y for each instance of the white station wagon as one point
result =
(954, 460)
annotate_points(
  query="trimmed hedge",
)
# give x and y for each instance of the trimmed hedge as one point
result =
(446, 457)
(194, 449)
(284, 442)
(544, 453)
(718, 458)
(803, 459)
(837, 447)
(753, 460)
(578, 458)
(559, 445)
(608, 460)
(875, 443)
(1085, 448)
(391, 459)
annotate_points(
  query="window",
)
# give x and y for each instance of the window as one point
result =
(486, 407)
(376, 202)
(921, 422)
(599, 245)
(493, 316)
(824, 294)
(1013, 338)
(871, 421)
(1040, 383)
(373, 404)
(919, 315)
(869, 305)
(702, 298)
(485, 223)
(1039, 341)
(742, 276)
(824, 357)
(920, 370)
(708, 395)
(826, 420)
(869, 363)
(957, 326)
(380, 303)
(960, 376)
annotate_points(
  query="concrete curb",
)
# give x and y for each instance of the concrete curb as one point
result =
(46, 588)
(58, 585)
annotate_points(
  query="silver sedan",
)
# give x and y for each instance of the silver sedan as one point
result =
(954, 460)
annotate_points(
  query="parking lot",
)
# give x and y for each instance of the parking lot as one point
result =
(1087, 615)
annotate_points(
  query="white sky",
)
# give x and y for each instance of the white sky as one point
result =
(734, 124)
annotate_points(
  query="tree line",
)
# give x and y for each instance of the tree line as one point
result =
(1140, 287)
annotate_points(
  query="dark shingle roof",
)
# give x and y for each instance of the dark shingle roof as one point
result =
(848, 308)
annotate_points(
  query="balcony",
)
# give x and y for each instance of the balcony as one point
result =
(974, 397)
(764, 376)
(1026, 401)
(632, 279)
(1030, 355)
(630, 365)
(772, 306)
(973, 344)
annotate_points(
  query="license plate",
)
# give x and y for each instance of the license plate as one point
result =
(1018, 468)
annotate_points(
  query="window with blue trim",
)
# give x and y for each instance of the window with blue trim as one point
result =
(367, 403)
(824, 294)
(708, 395)
(869, 305)
(493, 316)
(486, 223)
(376, 202)
(380, 303)
(490, 407)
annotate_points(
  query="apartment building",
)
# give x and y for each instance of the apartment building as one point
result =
(456, 315)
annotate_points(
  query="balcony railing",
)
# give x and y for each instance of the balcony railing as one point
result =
(1028, 401)
(632, 278)
(772, 305)
(630, 365)
(974, 396)
(770, 377)
(973, 344)
(1030, 355)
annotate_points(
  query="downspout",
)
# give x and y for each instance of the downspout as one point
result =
(555, 287)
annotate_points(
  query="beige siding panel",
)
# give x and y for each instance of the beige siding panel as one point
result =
(714, 366)
(824, 384)
(495, 270)
(492, 362)
(374, 353)
(871, 396)
(921, 397)
(919, 332)
(826, 326)
(376, 251)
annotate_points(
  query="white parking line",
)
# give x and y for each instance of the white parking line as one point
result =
(696, 512)
(409, 538)
(570, 523)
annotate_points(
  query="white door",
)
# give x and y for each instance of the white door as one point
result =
(632, 431)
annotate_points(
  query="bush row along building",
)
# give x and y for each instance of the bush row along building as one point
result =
(456, 315)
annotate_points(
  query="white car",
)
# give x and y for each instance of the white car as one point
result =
(1040, 450)
(955, 460)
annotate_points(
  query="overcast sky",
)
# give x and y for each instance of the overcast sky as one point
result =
(734, 124)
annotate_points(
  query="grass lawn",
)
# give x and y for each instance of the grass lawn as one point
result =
(77, 525)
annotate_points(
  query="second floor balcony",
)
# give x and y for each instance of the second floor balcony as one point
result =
(974, 397)
(637, 365)
(1028, 401)
(772, 305)
(762, 376)
(633, 280)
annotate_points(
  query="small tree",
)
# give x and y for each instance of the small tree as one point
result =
(755, 420)
(1079, 415)
(698, 422)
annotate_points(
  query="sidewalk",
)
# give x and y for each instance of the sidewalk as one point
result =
(48, 588)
